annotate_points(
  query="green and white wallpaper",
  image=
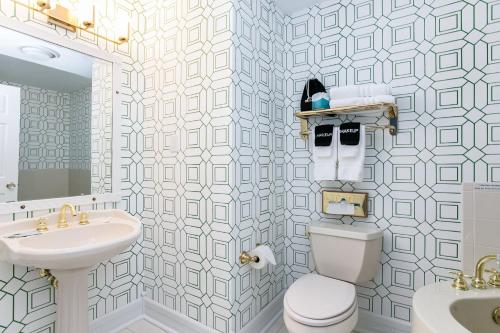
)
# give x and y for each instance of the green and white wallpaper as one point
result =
(54, 129)
(259, 157)
(212, 161)
(45, 121)
(80, 129)
(26, 300)
(441, 59)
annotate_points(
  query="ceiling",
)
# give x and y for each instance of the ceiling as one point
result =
(28, 73)
(290, 6)
(69, 70)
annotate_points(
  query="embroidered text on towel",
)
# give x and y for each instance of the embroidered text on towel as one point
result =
(349, 134)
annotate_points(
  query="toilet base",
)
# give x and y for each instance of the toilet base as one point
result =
(346, 326)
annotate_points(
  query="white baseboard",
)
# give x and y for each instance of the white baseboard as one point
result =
(370, 322)
(173, 320)
(119, 318)
(269, 320)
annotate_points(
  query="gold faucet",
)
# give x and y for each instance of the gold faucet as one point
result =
(478, 280)
(62, 222)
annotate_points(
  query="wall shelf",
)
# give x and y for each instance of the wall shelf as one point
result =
(358, 110)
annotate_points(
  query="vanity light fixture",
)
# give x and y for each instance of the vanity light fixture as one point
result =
(81, 19)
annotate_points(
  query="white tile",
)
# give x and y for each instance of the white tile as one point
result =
(481, 251)
(487, 232)
(468, 204)
(283, 330)
(486, 205)
(468, 258)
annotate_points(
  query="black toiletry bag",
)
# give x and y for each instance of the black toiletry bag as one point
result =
(312, 87)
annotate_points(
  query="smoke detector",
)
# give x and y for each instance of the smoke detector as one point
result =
(39, 53)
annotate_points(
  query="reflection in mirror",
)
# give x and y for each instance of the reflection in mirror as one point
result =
(55, 120)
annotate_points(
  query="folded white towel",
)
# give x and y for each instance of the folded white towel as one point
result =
(351, 159)
(365, 90)
(361, 101)
(336, 103)
(370, 90)
(344, 92)
(383, 99)
(325, 159)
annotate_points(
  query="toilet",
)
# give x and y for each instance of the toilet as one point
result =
(326, 302)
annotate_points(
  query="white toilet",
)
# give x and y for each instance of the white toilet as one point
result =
(326, 303)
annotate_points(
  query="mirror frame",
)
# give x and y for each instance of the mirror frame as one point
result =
(115, 195)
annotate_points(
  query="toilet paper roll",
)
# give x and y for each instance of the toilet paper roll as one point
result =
(265, 255)
(340, 208)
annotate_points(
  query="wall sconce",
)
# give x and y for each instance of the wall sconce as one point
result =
(84, 19)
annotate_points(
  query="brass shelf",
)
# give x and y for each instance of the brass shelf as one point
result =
(359, 110)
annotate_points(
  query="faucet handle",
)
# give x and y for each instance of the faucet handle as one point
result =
(461, 274)
(459, 282)
(41, 225)
(84, 219)
(494, 280)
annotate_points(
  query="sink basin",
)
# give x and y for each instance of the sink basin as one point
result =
(475, 314)
(438, 308)
(77, 246)
(69, 253)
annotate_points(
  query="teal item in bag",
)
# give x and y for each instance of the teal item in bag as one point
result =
(320, 101)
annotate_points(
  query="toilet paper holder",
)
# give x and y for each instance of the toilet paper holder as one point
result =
(246, 258)
(357, 199)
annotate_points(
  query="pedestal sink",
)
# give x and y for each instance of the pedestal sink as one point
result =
(69, 254)
(438, 308)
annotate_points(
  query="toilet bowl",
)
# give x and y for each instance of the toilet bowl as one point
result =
(319, 304)
(326, 302)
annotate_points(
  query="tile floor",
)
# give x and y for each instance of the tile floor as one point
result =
(142, 326)
(283, 330)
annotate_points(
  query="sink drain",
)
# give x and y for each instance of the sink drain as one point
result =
(496, 315)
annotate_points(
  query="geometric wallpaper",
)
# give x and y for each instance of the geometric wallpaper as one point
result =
(54, 127)
(26, 300)
(44, 137)
(442, 60)
(207, 142)
(212, 162)
(259, 157)
(184, 135)
(79, 128)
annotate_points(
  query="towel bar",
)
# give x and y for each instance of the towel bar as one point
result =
(359, 110)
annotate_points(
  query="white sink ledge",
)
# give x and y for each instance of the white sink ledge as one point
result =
(433, 306)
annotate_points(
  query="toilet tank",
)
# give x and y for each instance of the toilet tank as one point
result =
(346, 252)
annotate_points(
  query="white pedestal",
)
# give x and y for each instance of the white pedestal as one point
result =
(72, 300)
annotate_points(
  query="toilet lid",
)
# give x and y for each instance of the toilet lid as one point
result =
(319, 298)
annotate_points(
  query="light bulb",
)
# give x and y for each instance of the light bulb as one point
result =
(46, 4)
(122, 29)
(86, 15)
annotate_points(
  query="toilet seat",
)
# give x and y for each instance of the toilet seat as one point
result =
(319, 301)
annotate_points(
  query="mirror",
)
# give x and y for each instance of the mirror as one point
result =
(56, 120)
